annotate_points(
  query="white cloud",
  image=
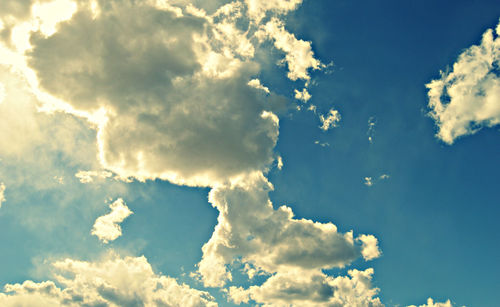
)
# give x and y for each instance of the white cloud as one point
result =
(2, 194)
(113, 281)
(384, 176)
(431, 303)
(88, 176)
(255, 83)
(257, 8)
(302, 95)
(298, 53)
(369, 248)
(322, 144)
(467, 98)
(302, 288)
(107, 227)
(330, 120)
(155, 124)
(270, 240)
(372, 121)
(368, 181)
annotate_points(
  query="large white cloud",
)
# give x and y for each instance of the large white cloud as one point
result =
(272, 242)
(467, 98)
(112, 281)
(177, 108)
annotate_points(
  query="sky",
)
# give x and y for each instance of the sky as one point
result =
(249, 153)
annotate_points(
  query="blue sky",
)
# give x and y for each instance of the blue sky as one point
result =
(186, 114)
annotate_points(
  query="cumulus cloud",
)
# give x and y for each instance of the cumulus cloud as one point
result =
(431, 303)
(107, 227)
(257, 9)
(271, 240)
(298, 288)
(302, 95)
(155, 125)
(2, 194)
(298, 53)
(113, 281)
(467, 98)
(330, 120)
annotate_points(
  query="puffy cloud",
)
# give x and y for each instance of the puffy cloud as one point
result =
(156, 126)
(368, 181)
(107, 227)
(270, 240)
(302, 95)
(330, 120)
(257, 9)
(467, 98)
(2, 194)
(299, 288)
(113, 281)
(256, 84)
(298, 53)
(430, 303)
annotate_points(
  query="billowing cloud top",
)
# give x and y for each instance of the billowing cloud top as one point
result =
(467, 98)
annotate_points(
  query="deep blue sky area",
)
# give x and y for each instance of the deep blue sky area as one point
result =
(436, 214)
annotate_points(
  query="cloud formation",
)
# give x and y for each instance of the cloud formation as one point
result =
(107, 227)
(2, 194)
(112, 281)
(431, 303)
(272, 242)
(467, 98)
(330, 120)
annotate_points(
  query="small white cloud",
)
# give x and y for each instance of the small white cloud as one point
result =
(330, 120)
(107, 227)
(431, 303)
(279, 163)
(255, 83)
(369, 181)
(2, 194)
(468, 98)
(302, 95)
(322, 144)
(369, 248)
(88, 176)
(372, 121)
(59, 179)
(384, 177)
(298, 53)
(312, 108)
